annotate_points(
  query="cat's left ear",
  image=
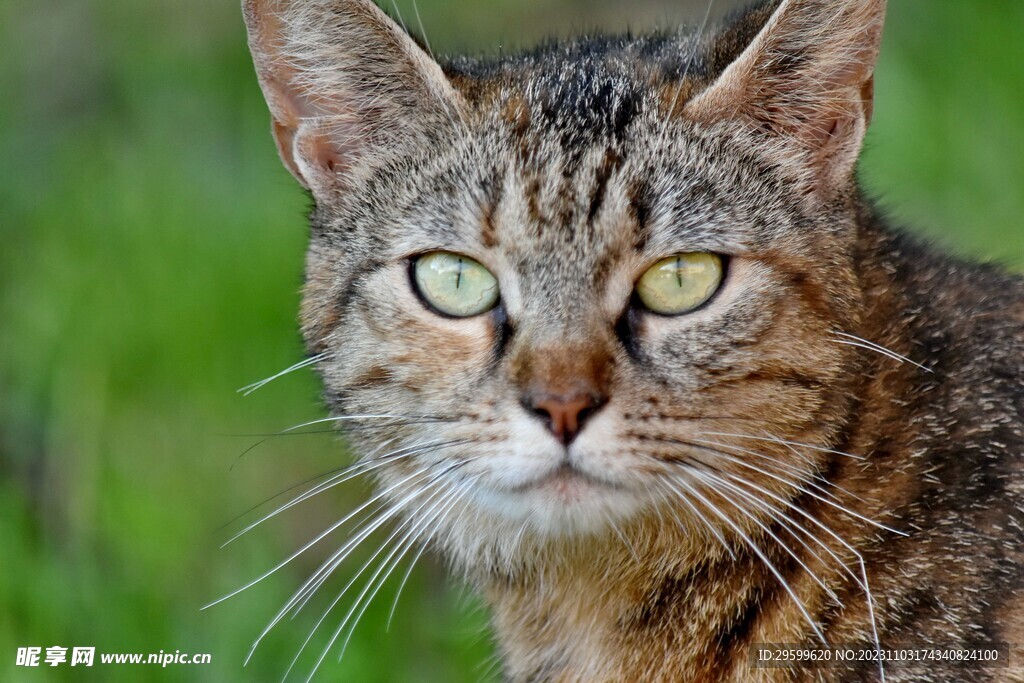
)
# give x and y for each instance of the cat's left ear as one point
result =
(345, 85)
(806, 82)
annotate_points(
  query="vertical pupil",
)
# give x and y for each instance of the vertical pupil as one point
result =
(679, 271)
(458, 275)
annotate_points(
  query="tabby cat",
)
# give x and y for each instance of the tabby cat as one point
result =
(617, 333)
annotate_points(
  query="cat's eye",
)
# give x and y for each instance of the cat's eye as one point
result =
(455, 285)
(680, 283)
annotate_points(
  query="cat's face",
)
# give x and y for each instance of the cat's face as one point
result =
(559, 399)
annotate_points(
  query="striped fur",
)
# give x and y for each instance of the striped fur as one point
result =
(845, 378)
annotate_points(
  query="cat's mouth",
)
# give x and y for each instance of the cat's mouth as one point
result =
(567, 481)
(564, 500)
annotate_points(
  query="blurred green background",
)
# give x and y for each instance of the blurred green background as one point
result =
(150, 260)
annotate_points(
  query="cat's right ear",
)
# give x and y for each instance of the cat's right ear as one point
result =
(344, 84)
(806, 86)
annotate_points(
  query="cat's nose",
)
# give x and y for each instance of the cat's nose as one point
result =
(565, 416)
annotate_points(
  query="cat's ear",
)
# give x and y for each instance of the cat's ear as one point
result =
(344, 84)
(806, 82)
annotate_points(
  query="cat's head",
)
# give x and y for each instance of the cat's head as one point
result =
(562, 293)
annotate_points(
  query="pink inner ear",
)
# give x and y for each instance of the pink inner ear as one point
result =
(312, 152)
(818, 106)
(326, 152)
(284, 138)
(343, 81)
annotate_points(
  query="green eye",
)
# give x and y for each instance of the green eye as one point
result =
(455, 285)
(680, 283)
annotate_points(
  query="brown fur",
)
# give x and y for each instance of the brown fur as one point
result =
(829, 447)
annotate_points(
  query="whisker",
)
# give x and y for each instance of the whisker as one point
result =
(760, 554)
(791, 446)
(453, 108)
(369, 525)
(517, 542)
(436, 513)
(339, 471)
(625, 542)
(853, 340)
(249, 388)
(306, 590)
(344, 520)
(811, 518)
(686, 72)
(341, 594)
(255, 435)
(347, 418)
(384, 545)
(346, 428)
(423, 31)
(314, 582)
(774, 514)
(777, 440)
(423, 546)
(699, 418)
(820, 477)
(785, 467)
(697, 443)
(340, 418)
(347, 474)
(862, 581)
(398, 16)
(707, 523)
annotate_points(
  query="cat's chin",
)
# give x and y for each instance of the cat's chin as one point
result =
(563, 503)
(567, 483)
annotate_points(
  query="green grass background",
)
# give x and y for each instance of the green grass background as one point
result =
(150, 259)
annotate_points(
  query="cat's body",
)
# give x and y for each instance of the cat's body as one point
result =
(826, 447)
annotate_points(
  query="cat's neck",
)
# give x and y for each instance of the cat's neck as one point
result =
(646, 613)
(608, 617)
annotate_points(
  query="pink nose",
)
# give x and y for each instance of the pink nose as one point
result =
(564, 416)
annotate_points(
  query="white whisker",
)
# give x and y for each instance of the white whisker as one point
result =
(356, 470)
(788, 468)
(773, 513)
(686, 72)
(777, 440)
(410, 526)
(791, 446)
(307, 589)
(625, 541)
(792, 484)
(312, 360)
(344, 520)
(405, 420)
(707, 523)
(809, 517)
(862, 581)
(760, 554)
(432, 516)
(346, 418)
(339, 596)
(314, 582)
(423, 546)
(423, 31)
(853, 340)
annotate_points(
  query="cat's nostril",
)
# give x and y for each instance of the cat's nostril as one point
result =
(565, 416)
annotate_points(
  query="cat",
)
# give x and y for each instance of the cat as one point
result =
(619, 335)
